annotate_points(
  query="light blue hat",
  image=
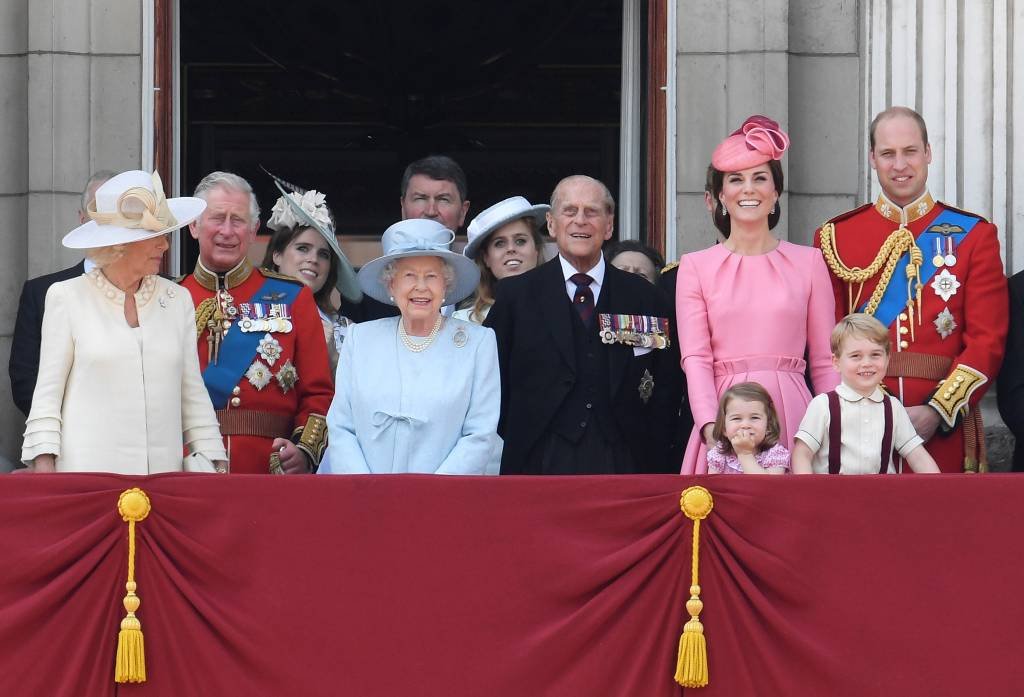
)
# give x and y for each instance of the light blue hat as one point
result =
(419, 237)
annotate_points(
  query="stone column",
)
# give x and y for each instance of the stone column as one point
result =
(71, 75)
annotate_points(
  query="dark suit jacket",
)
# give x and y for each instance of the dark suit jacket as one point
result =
(1010, 387)
(677, 379)
(532, 322)
(23, 366)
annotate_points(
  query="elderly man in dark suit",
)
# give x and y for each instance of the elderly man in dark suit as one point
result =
(581, 351)
(23, 366)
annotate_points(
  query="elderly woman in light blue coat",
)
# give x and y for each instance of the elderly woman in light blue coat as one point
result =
(419, 392)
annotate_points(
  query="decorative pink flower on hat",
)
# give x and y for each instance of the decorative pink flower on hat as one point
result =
(757, 141)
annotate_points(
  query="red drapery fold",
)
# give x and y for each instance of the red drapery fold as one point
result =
(420, 585)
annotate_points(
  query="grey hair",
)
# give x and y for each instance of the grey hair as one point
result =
(94, 182)
(105, 256)
(228, 180)
(387, 274)
(609, 200)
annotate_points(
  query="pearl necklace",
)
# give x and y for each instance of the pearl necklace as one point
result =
(414, 346)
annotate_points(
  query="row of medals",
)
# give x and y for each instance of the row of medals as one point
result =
(226, 313)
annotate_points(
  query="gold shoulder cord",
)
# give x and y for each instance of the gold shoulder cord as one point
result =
(203, 314)
(898, 242)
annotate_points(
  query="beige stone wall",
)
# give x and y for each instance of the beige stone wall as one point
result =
(797, 61)
(70, 104)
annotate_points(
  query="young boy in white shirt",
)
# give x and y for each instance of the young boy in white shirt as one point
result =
(871, 424)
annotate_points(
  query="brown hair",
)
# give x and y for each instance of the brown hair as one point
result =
(722, 221)
(280, 241)
(484, 296)
(892, 112)
(861, 325)
(750, 392)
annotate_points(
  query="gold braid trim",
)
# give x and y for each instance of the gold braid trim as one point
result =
(898, 242)
(203, 314)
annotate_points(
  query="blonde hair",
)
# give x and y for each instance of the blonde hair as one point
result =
(748, 392)
(104, 256)
(860, 325)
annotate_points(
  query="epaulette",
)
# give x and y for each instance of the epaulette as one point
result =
(280, 276)
(961, 211)
(848, 214)
(669, 267)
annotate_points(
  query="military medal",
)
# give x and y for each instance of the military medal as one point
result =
(945, 285)
(269, 349)
(642, 331)
(287, 376)
(938, 260)
(646, 386)
(944, 323)
(950, 257)
(258, 375)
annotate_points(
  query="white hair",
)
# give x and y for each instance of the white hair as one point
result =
(94, 182)
(233, 182)
(387, 274)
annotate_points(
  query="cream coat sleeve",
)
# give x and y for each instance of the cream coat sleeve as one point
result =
(199, 426)
(56, 357)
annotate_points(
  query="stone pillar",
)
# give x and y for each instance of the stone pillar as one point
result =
(796, 61)
(71, 75)
(13, 197)
(731, 62)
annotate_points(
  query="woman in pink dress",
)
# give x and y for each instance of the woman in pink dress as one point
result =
(750, 309)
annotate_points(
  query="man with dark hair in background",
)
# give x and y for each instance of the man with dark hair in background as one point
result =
(23, 366)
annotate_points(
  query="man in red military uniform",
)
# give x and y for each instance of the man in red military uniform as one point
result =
(261, 343)
(933, 275)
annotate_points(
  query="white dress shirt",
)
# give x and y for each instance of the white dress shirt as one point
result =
(596, 273)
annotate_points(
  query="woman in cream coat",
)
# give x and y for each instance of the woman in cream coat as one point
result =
(119, 388)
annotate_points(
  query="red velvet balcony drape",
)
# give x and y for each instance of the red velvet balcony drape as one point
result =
(514, 587)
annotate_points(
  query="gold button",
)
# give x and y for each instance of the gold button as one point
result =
(904, 330)
(959, 378)
(904, 344)
(235, 401)
(237, 390)
(903, 317)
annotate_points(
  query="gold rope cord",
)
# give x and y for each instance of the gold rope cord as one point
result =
(203, 314)
(898, 242)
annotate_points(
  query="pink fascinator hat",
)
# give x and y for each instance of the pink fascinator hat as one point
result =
(757, 141)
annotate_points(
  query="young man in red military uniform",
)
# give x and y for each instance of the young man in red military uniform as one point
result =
(934, 276)
(261, 343)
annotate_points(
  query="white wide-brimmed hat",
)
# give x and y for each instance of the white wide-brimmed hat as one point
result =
(419, 237)
(502, 212)
(131, 207)
(309, 209)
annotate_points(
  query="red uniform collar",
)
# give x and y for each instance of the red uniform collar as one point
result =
(235, 277)
(909, 213)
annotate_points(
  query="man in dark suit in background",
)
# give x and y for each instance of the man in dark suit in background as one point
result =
(667, 283)
(23, 366)
(580, 352)
(435, 188)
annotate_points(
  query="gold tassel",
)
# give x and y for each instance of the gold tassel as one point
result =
(134, 506)
(692, 665)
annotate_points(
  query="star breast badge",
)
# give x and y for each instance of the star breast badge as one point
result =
(944, 323)
(945, 285)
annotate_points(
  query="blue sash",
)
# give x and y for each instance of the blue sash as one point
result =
(238, 348)
(894, 300)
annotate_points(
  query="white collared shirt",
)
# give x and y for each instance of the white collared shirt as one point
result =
(596, 273)
(863, 425)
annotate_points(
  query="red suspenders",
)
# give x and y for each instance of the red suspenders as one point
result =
(835, 429)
